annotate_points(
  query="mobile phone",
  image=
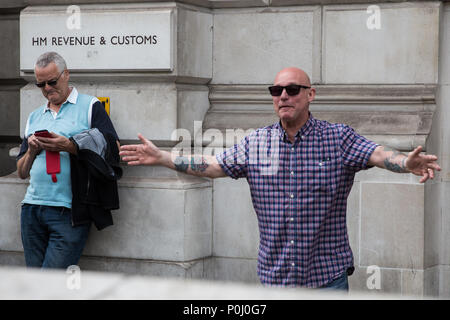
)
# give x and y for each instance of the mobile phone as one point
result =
(42, 133)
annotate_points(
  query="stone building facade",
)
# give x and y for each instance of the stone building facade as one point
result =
(381, 67)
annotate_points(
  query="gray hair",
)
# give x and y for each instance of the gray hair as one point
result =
(46, 58)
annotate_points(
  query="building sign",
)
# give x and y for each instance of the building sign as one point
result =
(98, 39)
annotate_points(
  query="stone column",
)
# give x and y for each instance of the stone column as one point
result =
(10, 83)
(437, 205)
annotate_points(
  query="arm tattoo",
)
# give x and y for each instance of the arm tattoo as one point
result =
(181, 164)
(198, 164)
(391, 165)
(394, 166)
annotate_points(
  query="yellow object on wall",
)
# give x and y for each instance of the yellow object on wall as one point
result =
(105, 101)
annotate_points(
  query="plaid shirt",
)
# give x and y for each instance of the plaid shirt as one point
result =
(299, 193)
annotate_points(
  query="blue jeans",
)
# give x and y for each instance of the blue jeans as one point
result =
(340, 283)
(48, 238)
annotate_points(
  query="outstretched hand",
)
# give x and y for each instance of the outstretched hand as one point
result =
(422, 164)
(141, 154)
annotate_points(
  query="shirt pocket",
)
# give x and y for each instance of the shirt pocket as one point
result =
(323, 174)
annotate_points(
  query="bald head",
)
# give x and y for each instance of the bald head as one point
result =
(293, 74)
(293, 108)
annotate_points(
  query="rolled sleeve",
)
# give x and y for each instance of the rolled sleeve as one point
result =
(356, 149)
(234, 160)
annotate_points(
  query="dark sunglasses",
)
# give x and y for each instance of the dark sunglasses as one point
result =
(50, 83)
(291, 90)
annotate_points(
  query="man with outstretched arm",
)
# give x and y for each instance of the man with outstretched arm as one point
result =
(300, 171)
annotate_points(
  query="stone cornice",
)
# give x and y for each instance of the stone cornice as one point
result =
(396, 115)
(6, 4)
(368, 94)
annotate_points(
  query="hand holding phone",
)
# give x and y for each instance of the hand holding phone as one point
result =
(43, 133)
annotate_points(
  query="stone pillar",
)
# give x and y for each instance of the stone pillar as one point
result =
(10, 83)
(437, 205)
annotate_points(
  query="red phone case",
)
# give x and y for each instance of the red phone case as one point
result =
(52, 158)
(42, 133)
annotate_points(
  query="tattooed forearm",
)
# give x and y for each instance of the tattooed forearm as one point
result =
(396, 162)
(196, 163)
(181, 164)
(395, 167)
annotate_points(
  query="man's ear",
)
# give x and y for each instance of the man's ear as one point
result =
(311, 94)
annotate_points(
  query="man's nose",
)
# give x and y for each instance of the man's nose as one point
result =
(284, 95)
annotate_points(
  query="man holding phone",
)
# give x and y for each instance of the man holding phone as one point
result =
(50, 237)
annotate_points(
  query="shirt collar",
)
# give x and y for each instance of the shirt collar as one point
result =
(303, 132)
(72, 98)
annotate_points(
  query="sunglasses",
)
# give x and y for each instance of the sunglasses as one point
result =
(291, 90)
(50, 83)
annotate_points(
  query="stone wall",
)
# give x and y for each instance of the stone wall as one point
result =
(389, 84)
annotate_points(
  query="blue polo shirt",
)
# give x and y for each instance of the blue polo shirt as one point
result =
(78, 113)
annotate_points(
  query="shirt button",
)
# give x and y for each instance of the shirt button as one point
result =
(293, 264)
(292, 196)
(292, 241)
(292, 149)
(303, 137)
(292, 219)
(292, 173)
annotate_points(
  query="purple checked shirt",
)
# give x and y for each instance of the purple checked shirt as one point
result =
(299, 192)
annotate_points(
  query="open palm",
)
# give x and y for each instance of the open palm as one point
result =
(140, 154)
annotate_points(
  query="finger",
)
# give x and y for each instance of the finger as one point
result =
(431, 173)
(48, 146)
(130, 158)
(133, 163)
(424, 177)
(416, 151)
(43, 145)
(430, 157)
(143, 140)
(125, 153)
(129, 147)
(435, 166)
(35, 146)
(43, 139)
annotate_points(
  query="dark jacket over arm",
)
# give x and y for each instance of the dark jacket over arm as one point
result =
(94, 173)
